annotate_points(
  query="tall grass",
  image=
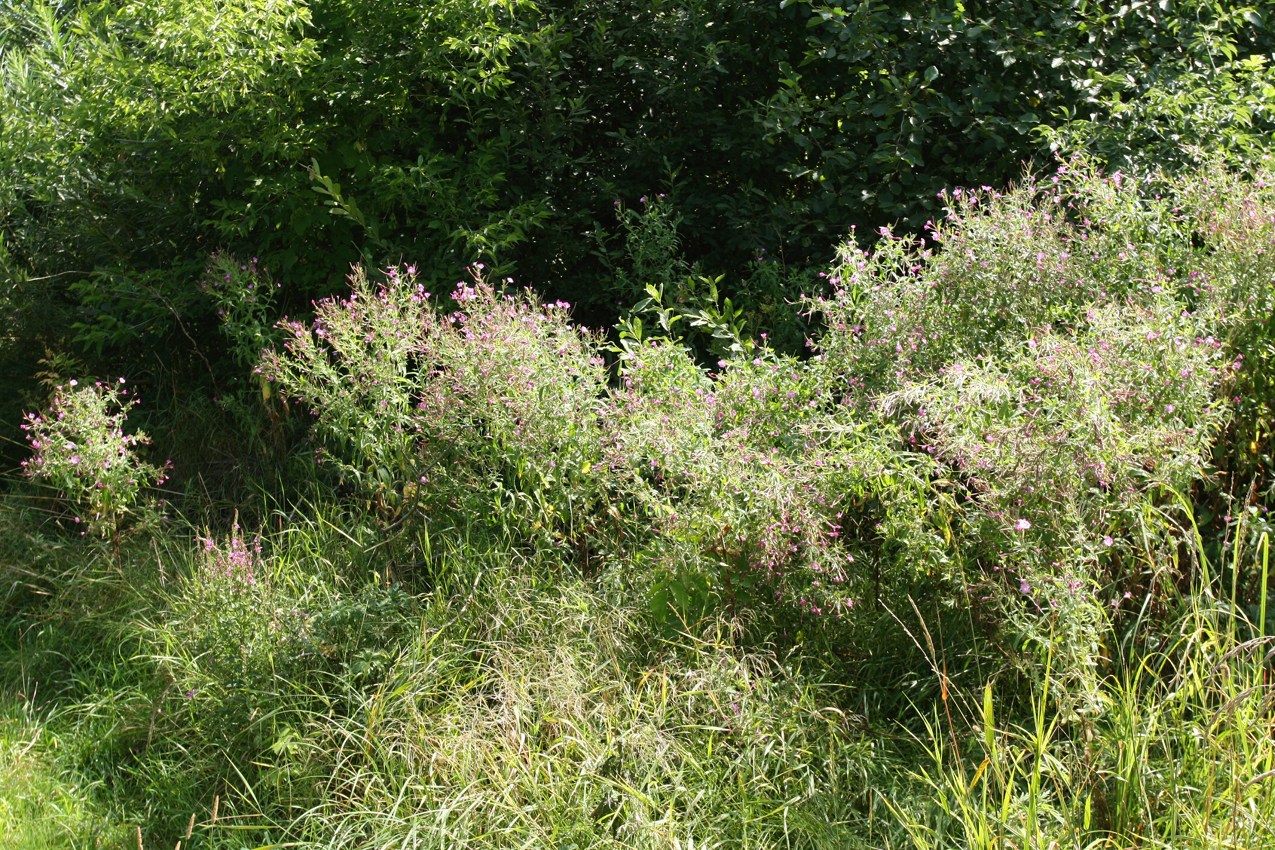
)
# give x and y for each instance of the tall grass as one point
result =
(1181, 754)
(507, 710)
(546, 729)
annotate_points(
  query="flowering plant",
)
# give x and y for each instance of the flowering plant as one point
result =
(489, 395)
(245, 298)
(234, 634)
(81, 448)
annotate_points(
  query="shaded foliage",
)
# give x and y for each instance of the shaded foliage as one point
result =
(140, 137)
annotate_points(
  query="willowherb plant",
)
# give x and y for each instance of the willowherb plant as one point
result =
(1073, 433)
(1233, 282)
(494, 398)
(81, 448)
(245, 299)
(1233, 219)
(998, 268)
(354, 367)
(761, 491)
(1063, 446)
(233, 635)
(652, 246)
(1064, 354)
(233, 565)
(517, 390)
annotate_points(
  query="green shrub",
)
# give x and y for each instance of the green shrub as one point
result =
(1065, 351)
(1001, 406)
(491, 404)
(759, 489)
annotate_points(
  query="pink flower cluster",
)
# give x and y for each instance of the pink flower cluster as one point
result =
(233, 563)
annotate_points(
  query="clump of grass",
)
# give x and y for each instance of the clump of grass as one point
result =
(72, 698)
(1180, 753)
(42, 806)
(532, 721)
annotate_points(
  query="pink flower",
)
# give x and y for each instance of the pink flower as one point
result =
(1022, 525)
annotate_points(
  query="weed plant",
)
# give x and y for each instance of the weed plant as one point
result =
(81, 448)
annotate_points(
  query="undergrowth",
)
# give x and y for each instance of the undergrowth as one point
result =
(989, 567)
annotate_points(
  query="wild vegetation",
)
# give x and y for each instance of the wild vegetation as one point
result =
(954, 536)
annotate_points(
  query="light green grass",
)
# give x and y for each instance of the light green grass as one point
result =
(1178, 755)
(511, 706)
(43, 807)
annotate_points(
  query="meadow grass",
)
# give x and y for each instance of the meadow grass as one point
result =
(506, 708)
(1179, 754)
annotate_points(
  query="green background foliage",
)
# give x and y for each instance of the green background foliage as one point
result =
(140, 137)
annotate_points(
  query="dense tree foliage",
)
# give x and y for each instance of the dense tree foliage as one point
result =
(140, 136)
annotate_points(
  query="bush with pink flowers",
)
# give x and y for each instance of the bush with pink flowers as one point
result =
(999, 406)
(81, 448)
(481, 401)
